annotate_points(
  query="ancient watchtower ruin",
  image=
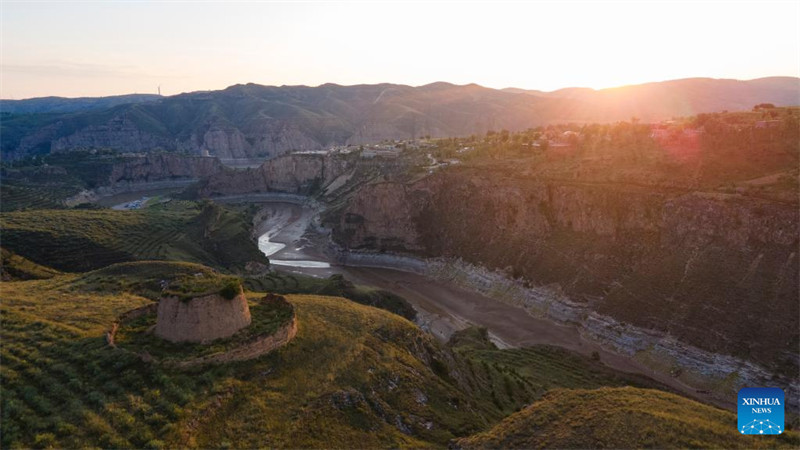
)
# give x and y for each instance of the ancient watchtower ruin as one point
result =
(201, 311)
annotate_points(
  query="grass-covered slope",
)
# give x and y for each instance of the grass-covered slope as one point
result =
(354, 376)
(514, 378)
(621, 418)
(80, 240)
(335, 285)
(15, 267)
(46, 181)
(18, 196)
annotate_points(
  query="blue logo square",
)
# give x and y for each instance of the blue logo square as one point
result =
(761, 411)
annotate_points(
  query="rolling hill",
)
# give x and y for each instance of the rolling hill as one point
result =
(80, 240)
(620, 418)
(253, 120)
(353, 377)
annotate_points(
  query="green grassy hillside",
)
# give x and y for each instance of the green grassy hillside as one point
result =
(80, 240)
(354, 376)
(514, 378)
(20, 196)
(14, 267)
(45, 182)
(621, 418)
(335, 285)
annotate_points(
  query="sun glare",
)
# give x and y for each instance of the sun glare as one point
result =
(135, 47)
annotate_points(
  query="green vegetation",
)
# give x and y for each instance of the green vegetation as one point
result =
(354, 376)
(44, 182)
(136, 335)
(516, 377)
(80, 240)
(14, 267)
(359, 373)
(199, 285)
(722, 151)
(335, 285)
(621, 418)
(21, 196)
(144, 278)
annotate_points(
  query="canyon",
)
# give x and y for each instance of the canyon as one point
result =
(661, 260)
(697, 284)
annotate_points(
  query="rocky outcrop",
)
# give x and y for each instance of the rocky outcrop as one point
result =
(201, 319)
(118, 133)
(162, 166)
(295, 174)
(721, 375)
(660, 259)
(225, 142)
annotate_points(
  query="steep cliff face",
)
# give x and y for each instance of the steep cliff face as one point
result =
(159, 167)
(715, 270)
(117, 133)
(296, 174)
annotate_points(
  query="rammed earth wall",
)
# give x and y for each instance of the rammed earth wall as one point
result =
(201, 319)
(254, 349)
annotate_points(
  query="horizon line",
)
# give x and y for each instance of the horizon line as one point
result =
(406, 85)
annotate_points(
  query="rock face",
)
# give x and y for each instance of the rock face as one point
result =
(118, 133)
(294, 174)
(163, 166)
(201, 319)
(718, 271)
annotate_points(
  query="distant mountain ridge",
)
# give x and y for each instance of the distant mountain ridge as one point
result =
(65, 105)
(254, 120)
(679, 97)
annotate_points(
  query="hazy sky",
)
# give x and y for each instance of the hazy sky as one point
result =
(104, 48)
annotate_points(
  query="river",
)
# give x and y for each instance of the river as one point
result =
(287, 238)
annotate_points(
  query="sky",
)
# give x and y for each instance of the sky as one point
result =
(98, 48)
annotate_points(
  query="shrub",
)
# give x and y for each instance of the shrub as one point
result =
(230, 289)
(44, 440)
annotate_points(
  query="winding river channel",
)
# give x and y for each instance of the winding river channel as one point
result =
(287, 238)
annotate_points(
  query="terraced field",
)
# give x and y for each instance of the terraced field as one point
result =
(621, 418)
(63, 387)
(516, 377)
(14, 267)
(336, 285)
(81, 240)
(19, 197)
(354, 376)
